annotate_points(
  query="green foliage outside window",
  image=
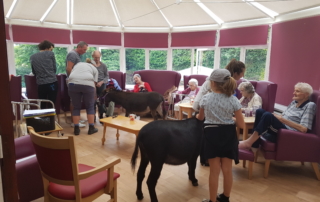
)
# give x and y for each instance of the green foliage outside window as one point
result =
(255, 64)
(135, 60)
(181, 59)
(227, 54)
(158, 59)
(111, 57)
(23, 52)
(207, 59)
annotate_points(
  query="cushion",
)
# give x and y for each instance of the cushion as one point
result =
(246, 155)
(267, 145)
(88, 186)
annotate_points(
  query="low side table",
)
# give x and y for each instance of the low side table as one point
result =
(185, 107)
(248, 124)
(121, 123)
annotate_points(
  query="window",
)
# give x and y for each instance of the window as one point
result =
(205, 62)
(181, 59)
(61, 55)
(255, 64)
(158, 59)
(227, 54)
(135, 60)
(22, 53)
(88, 54)
(111, 57)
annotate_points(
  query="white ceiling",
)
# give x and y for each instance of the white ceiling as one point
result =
(154, 15)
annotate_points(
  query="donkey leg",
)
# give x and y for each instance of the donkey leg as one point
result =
(192, 163)
(140, 175)
(154, 175)
(160, 111)
(154, 114)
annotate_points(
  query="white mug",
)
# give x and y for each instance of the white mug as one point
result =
(132, 117)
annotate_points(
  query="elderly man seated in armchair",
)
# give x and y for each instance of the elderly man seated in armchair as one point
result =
(190, 93)
(298, 117)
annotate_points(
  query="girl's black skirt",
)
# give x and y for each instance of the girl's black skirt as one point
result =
(221, 141)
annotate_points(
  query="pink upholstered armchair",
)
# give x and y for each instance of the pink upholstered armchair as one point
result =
(120, 77)
(200, 78)
(296, 146)
(267, 91)
(160, 80)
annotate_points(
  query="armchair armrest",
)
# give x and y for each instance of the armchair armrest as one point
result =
(109, 164)
(297, 146)
(23, 147)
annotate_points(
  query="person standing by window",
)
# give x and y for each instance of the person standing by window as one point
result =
(44, 68)
(103, 77)
(72, 59)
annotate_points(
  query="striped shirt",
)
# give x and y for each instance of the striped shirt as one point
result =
(43, 66)
(302, 115)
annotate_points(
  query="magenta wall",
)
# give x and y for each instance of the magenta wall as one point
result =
(295, 56)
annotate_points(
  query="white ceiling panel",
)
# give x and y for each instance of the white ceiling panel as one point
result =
(97, 12)
(140, 13)
(184, 14)
(6, 6)
(229, 12)
(290, 6)
(58, 13)
(31, 9)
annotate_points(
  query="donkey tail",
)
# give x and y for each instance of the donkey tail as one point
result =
(134, 157)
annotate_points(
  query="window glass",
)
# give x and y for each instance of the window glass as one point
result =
(22, 53)
(158, 59)
(111, 57)
(227, 54)
(135, 60)
(88, 54)
(61, 55)
(255, 64)
(181, 59)
(207, 59)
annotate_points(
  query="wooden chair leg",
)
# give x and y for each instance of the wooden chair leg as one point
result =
(266, 168)
(316, 169)
(256, 154)
(302, 163)
(250, 170)
(244, 163)
(113, 193)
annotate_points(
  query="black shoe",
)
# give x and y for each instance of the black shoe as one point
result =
(76, 130)
(222, 198)
(92, 130)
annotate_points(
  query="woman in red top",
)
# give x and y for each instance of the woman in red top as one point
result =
(140, 85)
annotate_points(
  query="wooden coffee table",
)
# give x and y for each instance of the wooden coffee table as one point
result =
(248, 124)
(121, 123)
(185, 107)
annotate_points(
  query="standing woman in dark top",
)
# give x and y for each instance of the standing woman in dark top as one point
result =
(44, 68)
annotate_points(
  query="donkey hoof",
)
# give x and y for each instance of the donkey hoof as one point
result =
(194, 182)
(140, 197)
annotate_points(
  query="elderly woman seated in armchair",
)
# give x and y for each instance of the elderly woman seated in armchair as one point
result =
(140, 85)
(190, 93)
(298, 117)
(249, 97)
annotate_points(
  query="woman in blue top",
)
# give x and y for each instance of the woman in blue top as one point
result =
(221, 142)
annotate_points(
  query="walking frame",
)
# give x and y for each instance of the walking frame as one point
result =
(25, 105)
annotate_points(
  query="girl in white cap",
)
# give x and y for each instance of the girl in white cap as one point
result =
(221, 142)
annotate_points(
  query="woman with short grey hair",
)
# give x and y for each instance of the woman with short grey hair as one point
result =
(249, 97)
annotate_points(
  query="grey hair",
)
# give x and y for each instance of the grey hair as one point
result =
(247, 86)
(304, 87)
(195, 81)
(137, 75)
(81, 44)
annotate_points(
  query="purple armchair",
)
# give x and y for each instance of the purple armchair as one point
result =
(29, 179)
(200, 78)
(15, 92)
(120, 77)
(31, 86)
(160, 80)
(267, 91)
(296, 146)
